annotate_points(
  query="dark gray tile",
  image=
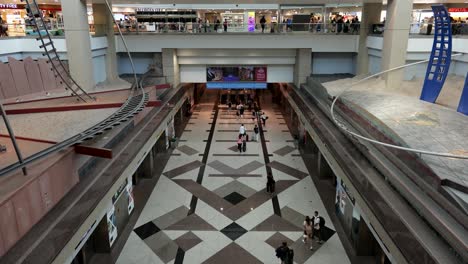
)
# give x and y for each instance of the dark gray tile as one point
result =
(235, 155)
(146, 230)
(236, 186)
(234, 198)
(188, 241)
(233, 231)
(162, 246)
(287, 169)
(171, 218)
(276, 223)
(192, 222)
(187, 150)
(277, 239)
(204, 194)
(226, 169)
(236, 176)
(231, 254)
(284, 150)
(256, 200)
(183, 169)
(292, 216)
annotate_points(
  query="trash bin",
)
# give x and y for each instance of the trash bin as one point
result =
(174, 143)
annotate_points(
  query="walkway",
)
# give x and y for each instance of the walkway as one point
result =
(210, 204)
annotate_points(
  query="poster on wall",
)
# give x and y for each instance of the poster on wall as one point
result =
(111, 225)
(236, 74)
(129, 193)
(251, 21)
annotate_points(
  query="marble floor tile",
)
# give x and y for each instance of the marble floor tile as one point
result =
(171, 218)
(284, 150)
(183, 169)
(191, 222)
(188, 241)
(231, 255)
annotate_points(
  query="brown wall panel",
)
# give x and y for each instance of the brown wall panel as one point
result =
(46, 191)
(34, 75)
(22, 211)
(8, 228)
(48, 77)
(19, 75)
(7, 81)
(38, 209)
(2, 246)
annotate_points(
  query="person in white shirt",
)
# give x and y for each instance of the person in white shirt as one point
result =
(242, 130)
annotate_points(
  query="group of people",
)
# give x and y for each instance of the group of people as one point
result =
(312, 229)
(340, 24)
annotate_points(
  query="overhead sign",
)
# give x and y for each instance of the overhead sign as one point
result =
(458, 9)
(8, 6)
(236, 74)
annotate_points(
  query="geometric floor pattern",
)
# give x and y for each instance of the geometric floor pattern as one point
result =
(226, 216)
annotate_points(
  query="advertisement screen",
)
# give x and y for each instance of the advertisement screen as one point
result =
(236, 74)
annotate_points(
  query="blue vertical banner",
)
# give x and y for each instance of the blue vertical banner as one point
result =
(441, 55)
(463, 105)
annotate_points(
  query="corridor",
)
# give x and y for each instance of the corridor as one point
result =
(211, 206)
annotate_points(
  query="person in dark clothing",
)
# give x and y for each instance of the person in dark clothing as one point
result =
(270, 186)
(339, 25)
(282, 252)
(262, 23)
(255, 135)
(216, 25)
(225, 25)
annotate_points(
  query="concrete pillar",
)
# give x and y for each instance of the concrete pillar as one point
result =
(303, 67)
(171, 66)
(396, 40)
(370, 15)
(104, 26)
(78, 43)
(324, 170)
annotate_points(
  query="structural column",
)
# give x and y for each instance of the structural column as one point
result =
(171, 66)
(302, 68)
(396, 37)
(370, 15)
(104, 26)
(78, 41)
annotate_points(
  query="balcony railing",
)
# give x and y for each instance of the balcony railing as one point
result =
(129, 28)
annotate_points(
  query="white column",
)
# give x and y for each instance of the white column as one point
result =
(370, 15)
(78, 43)
(396, 40)
(104, 26)
(303, 67)
(171, 66)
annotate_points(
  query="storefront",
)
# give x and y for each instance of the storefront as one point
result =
(15, 16)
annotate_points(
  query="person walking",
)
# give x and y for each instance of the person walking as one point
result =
(225, 25)
(308, 227)
(255, 135)
(242, 130)
(262, 23)
(241, 110)
(319, 223)
(229, 104)
(282, 252)
(244, 143)
(216, 25)
(264, 118)
(239, 143)
(270, 186)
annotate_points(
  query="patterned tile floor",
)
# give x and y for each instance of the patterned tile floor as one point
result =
(213, 207)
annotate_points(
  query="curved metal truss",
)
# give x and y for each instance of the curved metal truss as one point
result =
(36, 18)
(441, 55)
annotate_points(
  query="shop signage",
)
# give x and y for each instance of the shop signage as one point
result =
(236, 74)
(147, 9)
(8, 6)
(458, 9)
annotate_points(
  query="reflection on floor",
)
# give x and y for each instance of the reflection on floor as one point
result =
(213, 207)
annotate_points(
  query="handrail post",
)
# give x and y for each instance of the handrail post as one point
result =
(13, 138)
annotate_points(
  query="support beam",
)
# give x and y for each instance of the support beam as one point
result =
(171, 66)
(78, 40)
(370, 15)
(396, 37)
(303, 66)
(104, 26)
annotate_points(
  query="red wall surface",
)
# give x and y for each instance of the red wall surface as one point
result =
(31, 201)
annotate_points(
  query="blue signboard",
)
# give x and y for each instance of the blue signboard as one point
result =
(441, 55)
(463, 105)
(235, 85)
